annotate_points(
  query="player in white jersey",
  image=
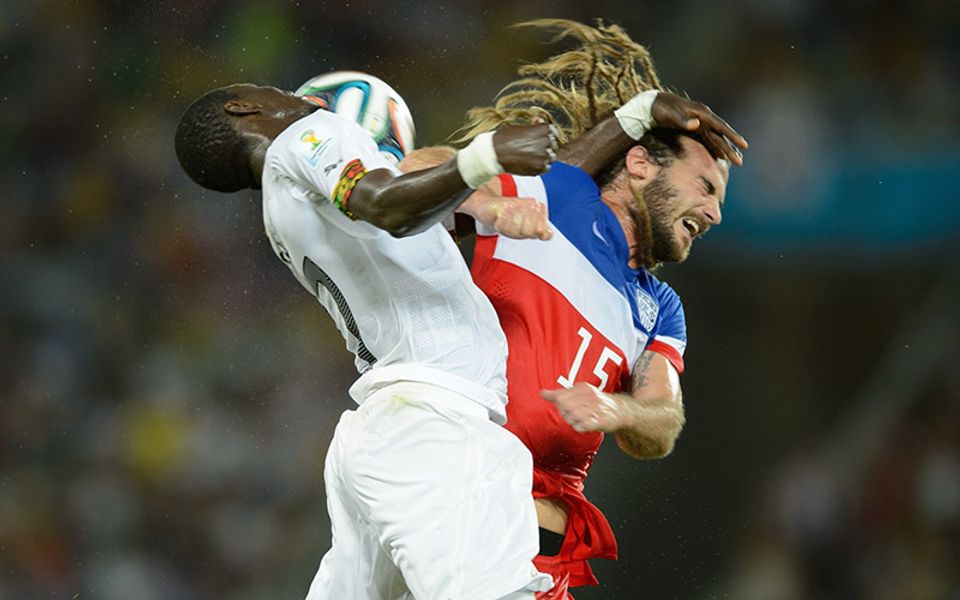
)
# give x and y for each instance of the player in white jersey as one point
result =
(428, 495)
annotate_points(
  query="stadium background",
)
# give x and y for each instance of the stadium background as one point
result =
(168, 391)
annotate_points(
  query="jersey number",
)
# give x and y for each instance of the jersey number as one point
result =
(606, 355)
(317, 277)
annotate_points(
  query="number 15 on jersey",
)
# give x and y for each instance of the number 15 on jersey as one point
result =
(607, 355)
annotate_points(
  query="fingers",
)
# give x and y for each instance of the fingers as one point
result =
(580, 407)
(526, 149)
(682, 113)
(549, 395)
(523, 218)
(580, 417)
(554, 145)
(717, 124)
(720, 147)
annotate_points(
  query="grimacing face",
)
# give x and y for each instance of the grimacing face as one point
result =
(684, 199)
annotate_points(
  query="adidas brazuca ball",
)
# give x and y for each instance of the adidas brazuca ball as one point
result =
(370, 102)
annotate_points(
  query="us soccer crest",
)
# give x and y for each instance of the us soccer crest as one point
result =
(647, 309)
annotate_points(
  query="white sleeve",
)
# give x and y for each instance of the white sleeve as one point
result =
(328, 155)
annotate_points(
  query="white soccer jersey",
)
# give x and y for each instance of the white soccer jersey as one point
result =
(406, 307)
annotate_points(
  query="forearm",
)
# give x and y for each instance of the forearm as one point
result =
(649, 428)
(410, 203)
(651, 415)
(594, 149)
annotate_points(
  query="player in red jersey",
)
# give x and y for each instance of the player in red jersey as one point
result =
(590, 329)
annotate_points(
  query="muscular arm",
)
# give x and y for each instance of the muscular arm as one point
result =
(652, 414)
(410, 203)
(595, 148)
(646, 421)
(521, 218)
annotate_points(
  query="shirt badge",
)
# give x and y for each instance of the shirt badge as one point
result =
(647, 309)
(314, 145)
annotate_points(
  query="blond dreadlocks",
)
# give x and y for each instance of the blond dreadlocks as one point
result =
(573, 90)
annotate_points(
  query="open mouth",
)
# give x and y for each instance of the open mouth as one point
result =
(692, 226)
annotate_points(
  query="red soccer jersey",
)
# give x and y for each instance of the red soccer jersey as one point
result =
(572, 310)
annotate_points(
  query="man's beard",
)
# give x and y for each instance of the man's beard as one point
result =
(655, 218)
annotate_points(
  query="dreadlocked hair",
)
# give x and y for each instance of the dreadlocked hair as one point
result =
(573, 90)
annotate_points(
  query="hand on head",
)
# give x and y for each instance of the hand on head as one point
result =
(676, 112)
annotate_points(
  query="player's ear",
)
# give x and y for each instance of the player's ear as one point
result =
(240, 108)
(640, 164)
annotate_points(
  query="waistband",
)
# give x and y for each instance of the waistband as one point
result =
(414, 382)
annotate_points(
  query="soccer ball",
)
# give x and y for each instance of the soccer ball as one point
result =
(370, 102)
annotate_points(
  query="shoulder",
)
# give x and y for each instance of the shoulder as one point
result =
(311, 136)
(560, 181)
(566, 180)
(321, 145)
(660, 290)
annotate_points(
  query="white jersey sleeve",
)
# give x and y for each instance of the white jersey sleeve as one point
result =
(327, 155)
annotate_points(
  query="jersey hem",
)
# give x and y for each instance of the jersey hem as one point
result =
(493, 400)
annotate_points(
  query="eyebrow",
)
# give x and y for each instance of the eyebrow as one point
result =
(711, 189)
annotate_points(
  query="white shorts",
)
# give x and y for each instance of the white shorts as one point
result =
(428, 499)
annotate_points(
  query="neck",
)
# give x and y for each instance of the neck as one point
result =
(257, 145)
(633, 217)
(261, 133)
(620, 201)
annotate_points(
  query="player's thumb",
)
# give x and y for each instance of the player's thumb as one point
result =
(549, 395)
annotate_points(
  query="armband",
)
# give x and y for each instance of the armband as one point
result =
(478, 161)
(351, 174)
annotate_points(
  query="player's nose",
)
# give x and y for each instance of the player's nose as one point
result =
(712, 212)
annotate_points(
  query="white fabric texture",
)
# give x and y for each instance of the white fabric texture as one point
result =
(430, 500)
(404, 304)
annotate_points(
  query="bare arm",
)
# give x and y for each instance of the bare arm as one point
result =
(595, 148)
(410, 203)
(647, 421)
(653, 411)
(521, 218)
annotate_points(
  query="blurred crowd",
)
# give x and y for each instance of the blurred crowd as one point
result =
(168, 391)
(873, 509)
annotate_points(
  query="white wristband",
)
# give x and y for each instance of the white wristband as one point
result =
(635, 116)
(478, 161)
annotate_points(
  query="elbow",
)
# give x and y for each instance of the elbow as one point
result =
(397, 222)
(401, 229)
(652, 443)
(401, 224)
(646, 447)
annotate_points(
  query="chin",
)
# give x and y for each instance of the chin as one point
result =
(675, 251)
